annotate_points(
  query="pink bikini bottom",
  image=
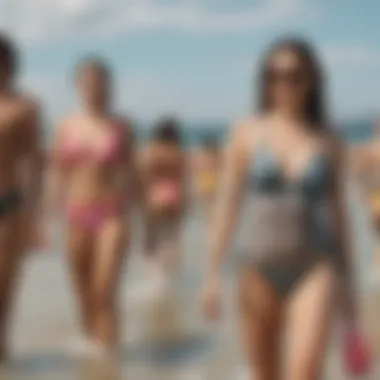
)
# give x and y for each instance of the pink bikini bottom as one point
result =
(91, 217)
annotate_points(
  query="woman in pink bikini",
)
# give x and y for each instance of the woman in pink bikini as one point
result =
(163, 179)
(92, 175)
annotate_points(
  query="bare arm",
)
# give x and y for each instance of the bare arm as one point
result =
(228, 200)
(32, 160)
(342, 229)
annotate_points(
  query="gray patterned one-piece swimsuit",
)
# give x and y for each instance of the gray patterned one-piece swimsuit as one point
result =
(289, 220)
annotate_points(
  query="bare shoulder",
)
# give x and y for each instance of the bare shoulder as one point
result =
(241, 125)
(71, 119)
(26, 105)
(248, 130)
(67, 122)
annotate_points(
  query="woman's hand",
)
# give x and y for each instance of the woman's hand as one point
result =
(356, 351)
(211, 298)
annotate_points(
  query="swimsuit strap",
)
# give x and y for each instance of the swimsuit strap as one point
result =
(263, 153)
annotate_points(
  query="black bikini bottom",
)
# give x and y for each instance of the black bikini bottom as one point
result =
(283, 278)
(10, 202)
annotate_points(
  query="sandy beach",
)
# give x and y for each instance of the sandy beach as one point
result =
(165, 339)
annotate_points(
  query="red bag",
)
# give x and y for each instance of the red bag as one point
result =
(357, 355)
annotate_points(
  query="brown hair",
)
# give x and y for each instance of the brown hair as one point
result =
(8, 54)
(315, 108)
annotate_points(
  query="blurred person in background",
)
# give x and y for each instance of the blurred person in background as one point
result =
(92, 175)
(366, 162)
(207, 165)
(288, 168)
(20, 181)
(163, 177)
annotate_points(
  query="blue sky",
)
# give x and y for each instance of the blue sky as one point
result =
(193, 57)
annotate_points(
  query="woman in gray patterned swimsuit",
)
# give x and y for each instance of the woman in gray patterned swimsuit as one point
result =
(287, 167)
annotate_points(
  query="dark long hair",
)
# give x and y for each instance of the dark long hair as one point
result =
(96, 62)
(315, 107)
(167, 130)
(101, 66)
(8, 54)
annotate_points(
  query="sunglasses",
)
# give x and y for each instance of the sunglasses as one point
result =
(294, 76)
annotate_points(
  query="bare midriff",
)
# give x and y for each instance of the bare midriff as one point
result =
(94, 183)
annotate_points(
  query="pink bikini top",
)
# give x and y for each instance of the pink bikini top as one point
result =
(73, 150)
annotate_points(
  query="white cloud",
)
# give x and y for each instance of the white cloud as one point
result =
(41, 20)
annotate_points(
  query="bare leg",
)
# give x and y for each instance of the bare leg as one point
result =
(80, 261)
(310, 309)
(260, 311)
(172, 250)
(151, 229)
(10, 260)
(108, 265)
